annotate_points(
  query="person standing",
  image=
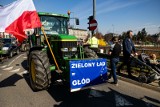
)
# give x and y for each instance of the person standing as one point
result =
(128, 51)
(93, 42)
(114, 53)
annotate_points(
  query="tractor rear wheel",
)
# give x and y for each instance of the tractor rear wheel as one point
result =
(39, 70)
(89, 53)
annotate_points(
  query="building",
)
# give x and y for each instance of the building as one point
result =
(5, 35)
(79, 33)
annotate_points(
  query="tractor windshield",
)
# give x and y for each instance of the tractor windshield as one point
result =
(54, 25)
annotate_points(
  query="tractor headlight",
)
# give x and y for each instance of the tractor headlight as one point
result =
(74, 49)
(64, 49)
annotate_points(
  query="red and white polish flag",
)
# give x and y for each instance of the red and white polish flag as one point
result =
(18, 16)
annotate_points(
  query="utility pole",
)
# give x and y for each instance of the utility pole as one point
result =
(113, 29)
(94, 12)
(94, 9)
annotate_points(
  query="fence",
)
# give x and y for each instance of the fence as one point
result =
(141, 49)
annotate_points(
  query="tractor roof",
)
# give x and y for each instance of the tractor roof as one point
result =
(52, 14)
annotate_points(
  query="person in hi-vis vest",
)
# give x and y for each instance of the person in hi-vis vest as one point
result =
(93, 43)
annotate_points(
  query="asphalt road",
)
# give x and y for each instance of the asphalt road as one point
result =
(16, 92)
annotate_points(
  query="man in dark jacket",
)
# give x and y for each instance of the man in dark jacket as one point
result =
(128, 51)
(114, 53)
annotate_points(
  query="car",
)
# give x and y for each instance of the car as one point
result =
(9, 47)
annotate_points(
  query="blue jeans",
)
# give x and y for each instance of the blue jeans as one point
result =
(113, 62)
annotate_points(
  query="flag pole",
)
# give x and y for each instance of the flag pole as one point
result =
(59, 71)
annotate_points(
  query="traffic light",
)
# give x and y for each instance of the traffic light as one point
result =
(77, 21)
(89, 18)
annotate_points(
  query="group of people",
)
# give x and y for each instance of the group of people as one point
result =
(128, 51)
(114, 52)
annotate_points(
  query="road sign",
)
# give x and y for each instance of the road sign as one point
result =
(93, 24)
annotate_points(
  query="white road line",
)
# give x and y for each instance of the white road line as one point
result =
(9, 68)
(15, 59)
(94, 93)
(16, 70)
(120, 101)
(3, 66)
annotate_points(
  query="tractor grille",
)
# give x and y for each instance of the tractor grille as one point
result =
(58, 45)
(69, 45)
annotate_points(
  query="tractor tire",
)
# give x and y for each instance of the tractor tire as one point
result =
(89, 53)
(39, 70)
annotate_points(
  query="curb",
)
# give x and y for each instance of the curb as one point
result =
(140, 84)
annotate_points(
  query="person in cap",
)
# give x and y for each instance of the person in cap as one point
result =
(114, 53)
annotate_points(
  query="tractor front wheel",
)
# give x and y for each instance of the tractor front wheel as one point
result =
(39, 71)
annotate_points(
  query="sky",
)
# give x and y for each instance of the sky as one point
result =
(113, 16)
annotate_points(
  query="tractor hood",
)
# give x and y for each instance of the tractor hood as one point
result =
(63, 37)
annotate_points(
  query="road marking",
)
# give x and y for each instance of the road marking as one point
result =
(15, 59)
(120, 101)
(3, 66)
(16, 70)
(95, 93)
(9, 68)
(24, 72)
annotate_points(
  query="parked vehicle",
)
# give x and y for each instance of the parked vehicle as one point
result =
(9, 47)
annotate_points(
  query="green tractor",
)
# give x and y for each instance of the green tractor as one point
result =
(55, 55)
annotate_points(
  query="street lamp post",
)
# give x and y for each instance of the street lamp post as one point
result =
(94, 12)
(94, 9)
(69, 13)
(113, 29)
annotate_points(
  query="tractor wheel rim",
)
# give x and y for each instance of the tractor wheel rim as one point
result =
(33, 71)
